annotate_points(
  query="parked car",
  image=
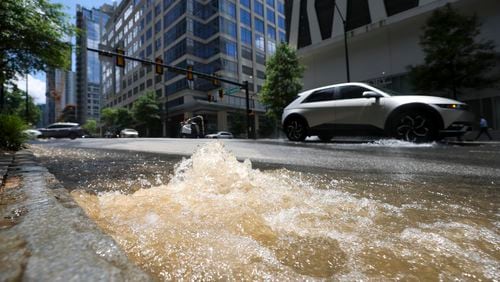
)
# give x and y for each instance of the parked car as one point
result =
(129, 133)
(361, 109)
(220, 135)
(32, 133)
(62, 130)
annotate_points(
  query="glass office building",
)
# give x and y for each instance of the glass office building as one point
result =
(230, 38)
(88, 68)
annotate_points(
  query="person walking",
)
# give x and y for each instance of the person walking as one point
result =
(483, 128)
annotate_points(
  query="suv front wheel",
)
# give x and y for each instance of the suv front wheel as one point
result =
(414, 126)
(296, 129)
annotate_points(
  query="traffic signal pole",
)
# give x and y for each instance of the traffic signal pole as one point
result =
(205, 76)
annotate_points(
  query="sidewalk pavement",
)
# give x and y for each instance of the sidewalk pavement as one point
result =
(46, 236)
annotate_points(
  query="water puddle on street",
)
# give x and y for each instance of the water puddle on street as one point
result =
(220, 219)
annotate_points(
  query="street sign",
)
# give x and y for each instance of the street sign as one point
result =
(229, 91)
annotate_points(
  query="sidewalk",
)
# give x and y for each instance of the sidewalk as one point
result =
(45, 235)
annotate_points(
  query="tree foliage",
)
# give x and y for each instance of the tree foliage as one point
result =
(90, 127)
(15, 104)
(283, 80)
(34, 34)
(146, 111)
(115, 119)
(11, 128)
(455, 58)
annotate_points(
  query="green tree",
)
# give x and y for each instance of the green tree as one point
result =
(11, 128)
(15, 104)
(455, 58)
(146, 111)
(115, 119)
(283, 80)
(90, 126)
(33, 36)
(238, 123)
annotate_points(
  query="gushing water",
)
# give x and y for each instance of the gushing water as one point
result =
(219, 219)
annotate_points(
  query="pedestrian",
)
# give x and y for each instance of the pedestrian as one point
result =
(483, 128)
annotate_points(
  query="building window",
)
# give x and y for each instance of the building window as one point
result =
(245, 3)
(246, 53)
(229, 48)
(282, 38)
(245, 18)
(246, 36)
(149, 33)
(281, 22)
(260, 58)
(175, 13)
(259, 42)
(228, 8)
(247, 70)
(158, 27)
(281, 7)
(325, 11)
(271, 47)
(271, 32)
(259, 25)
(228, 27)
(258, 8)
(261, 74)
(358, 14)
(393, 7)
(270, 3)
(270, 15)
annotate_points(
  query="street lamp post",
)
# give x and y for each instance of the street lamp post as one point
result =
(27, 99)
(344, 22)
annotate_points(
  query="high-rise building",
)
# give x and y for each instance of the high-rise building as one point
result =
(383, 40)
(230, 38)
(60, 92)
(88, 67)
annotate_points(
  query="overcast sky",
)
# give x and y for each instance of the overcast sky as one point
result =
(36, 81)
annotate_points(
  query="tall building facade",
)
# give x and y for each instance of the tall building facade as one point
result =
(230, 38)
(88, 67)
(383, 40)
(60, 93)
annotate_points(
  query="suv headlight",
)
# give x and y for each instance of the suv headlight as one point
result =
(454, 106)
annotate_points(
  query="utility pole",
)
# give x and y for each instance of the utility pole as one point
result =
(27, 99)
(346, 49)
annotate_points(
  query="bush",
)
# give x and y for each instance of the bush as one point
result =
(11, 132)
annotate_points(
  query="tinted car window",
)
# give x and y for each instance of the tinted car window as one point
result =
(320, 96)
(351, 92)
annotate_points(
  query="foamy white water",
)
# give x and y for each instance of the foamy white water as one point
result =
(219, 219)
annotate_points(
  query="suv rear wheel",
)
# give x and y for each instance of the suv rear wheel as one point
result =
(414, 126)
(296, 129)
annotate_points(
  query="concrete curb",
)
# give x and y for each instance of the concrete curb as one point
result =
(46, 236)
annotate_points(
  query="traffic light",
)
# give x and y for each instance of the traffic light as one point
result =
(120, 60)
(221, 93)
(189, 74)
(215, 80)
(159, 68)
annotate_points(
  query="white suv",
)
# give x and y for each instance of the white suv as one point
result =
(360, 109)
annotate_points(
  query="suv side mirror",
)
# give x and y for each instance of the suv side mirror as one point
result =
(372, 94)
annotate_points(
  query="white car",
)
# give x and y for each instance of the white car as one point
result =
(360, 109)
(129, 133)
(220, 135)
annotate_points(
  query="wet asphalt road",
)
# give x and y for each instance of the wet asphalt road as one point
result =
(387, 159)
